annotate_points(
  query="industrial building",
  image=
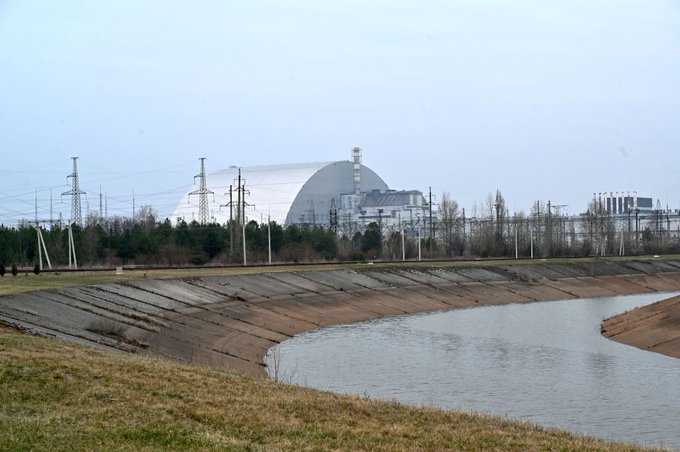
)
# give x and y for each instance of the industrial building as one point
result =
(345, 195)
(620, 203)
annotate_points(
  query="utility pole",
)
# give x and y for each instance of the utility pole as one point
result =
(238, 192)
(202, 192)
(243, 201)
(403, 241)
(549, 231)
(516, 247)
(241, 211)
(637, 227)
(497, 205)
(269, 237)
(431, 225)
(72, 260)
(230, 204)
(51, 210)
(41, 248)
(245, 259)
(431, 228)
(41, 241)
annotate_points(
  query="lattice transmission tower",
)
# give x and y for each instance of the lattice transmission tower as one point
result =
(202, 192)
(333, 216)
(74, 193)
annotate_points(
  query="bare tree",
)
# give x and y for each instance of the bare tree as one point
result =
(147, 216)
(451, 225)
(487, 230)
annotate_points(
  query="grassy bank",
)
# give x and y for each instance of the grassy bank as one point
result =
(57, 396)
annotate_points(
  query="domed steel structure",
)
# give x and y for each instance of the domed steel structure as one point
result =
(289, 194)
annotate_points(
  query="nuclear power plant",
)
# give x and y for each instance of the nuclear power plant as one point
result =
(345, 195)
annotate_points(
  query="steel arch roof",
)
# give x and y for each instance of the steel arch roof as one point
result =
(283, 192)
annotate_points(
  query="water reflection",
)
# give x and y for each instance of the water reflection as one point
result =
(542, 362)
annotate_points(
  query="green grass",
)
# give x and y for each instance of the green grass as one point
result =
(59, 396)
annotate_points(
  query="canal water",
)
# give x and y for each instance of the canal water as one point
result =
(545, 363)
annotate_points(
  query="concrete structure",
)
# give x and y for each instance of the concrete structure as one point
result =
(391, 209)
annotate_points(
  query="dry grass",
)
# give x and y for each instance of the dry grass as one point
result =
(59, 396)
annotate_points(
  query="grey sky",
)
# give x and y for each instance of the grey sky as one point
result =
(543, 100)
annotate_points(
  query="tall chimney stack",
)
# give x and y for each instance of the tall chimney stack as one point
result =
(356, 158)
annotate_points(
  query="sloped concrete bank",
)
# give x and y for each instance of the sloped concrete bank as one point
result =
(655, 327)
(232, 320)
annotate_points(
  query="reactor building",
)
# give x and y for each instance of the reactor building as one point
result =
(344, 195)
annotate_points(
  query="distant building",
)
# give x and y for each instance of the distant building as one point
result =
(618, 203)
(389, 208)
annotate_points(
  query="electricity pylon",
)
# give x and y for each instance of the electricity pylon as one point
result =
(202, 192)
(74, 193)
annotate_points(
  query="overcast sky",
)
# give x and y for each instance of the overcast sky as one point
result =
(542, 100)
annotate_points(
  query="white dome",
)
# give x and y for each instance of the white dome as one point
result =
(289, 193)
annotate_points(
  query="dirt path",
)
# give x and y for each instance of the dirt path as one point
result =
(232, 320)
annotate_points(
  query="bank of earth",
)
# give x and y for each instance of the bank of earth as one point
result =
(56, 395)
(655, 327)
(232, 320)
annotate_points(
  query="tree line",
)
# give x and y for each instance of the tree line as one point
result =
(148, 241)
(547, 232)
(489, 232)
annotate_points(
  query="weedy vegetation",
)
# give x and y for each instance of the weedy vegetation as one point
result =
(60, 396)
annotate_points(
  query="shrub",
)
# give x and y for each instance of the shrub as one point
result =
(15, 270)
(2, 269)
(357, 256)
(36, 268)
(198, 257)
(106, 326)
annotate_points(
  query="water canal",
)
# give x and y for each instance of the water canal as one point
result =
(541, 362)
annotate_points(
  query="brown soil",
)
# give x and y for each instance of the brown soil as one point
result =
(655, 327)
(232, 320)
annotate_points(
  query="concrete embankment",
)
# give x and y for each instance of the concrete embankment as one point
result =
(655, 327)
(232, 320)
